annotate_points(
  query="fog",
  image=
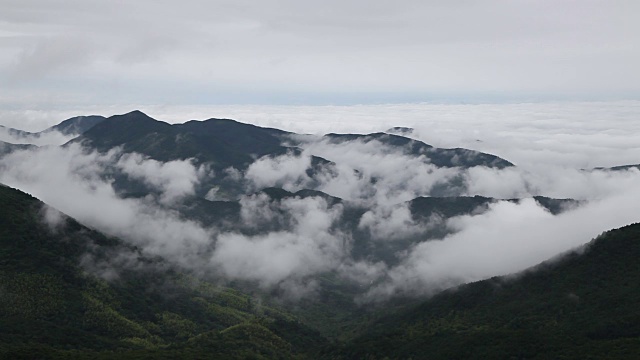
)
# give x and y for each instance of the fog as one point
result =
(563, 133)
(503, 239)
(38, 139)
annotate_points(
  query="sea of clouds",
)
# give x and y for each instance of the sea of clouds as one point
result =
(552, 144)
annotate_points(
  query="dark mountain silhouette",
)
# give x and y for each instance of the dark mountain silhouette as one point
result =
(230, 143)
(619, 167)
(439, 157)
(221, 142)
(578, 306)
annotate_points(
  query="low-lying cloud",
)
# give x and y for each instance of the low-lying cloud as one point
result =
(39, 139)
(284, 244)
(506, 239)
(71, 180)
(367, 172)
(309, 245)
(174, 179)
(392, 222)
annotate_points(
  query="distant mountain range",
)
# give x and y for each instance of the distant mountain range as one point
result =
(227, 142)
(68, 290)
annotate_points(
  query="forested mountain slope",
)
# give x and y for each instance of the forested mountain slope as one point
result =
(583, 305)
(69, 291)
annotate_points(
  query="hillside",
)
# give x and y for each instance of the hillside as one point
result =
(580, 306)
(290, 235)
(77, 125)
(67, 290)
(222, 143)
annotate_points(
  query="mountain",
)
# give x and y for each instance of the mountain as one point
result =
(227, 142)
(7, 148)
(436, 156)
(77, 125)
(72, 126)
(427, 217)
(221, 142)
(69, 291)
(16, 132)
(582, 305)
(619, 168)
(400, 130)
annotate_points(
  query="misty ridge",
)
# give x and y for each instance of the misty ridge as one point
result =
(384, 213)
(337, 180)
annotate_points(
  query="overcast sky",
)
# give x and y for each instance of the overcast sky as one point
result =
(62, 54)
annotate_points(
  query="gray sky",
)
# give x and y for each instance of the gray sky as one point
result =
(62, 54)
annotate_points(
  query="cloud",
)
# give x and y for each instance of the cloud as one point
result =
(38, 139)
(304, 242)
(52, 217)
(373, 174)
(50, 54)
(284, 244)
(391, 223)
(280, 50)
(551, 181)
(366, 172)
(308, 245)
(507, 238)
(287, 171)
(71, 180)
(175, 179)
(570, 134)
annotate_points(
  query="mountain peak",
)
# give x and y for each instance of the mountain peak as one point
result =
(136, 114)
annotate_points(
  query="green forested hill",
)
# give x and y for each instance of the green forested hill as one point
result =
(68, 291)
(581, 306)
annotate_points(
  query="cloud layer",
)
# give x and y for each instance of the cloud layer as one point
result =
(38, 139)
(571, 134)
(280, 50)
(285, 244)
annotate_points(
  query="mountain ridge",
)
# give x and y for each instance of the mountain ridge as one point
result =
(576, 305)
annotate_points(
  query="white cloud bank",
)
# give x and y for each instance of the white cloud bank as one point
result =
(506, 239)
(38, 139)
(567, 134)
(71, 180)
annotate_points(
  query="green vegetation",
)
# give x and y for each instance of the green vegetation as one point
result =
(63, 294)
(51, 307)
(582, 306)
